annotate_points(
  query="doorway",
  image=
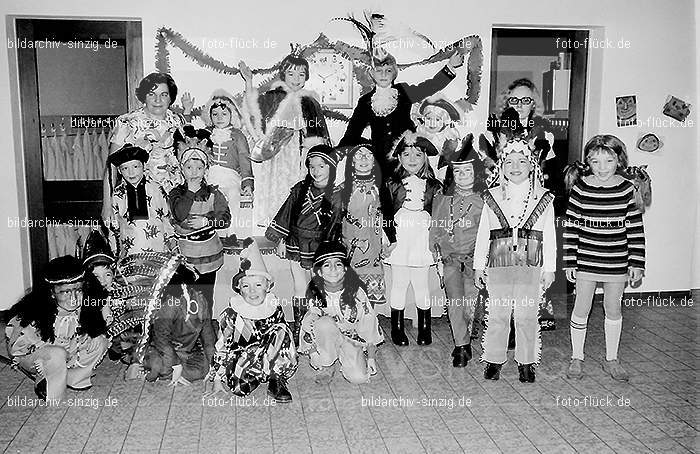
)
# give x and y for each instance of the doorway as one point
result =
(556, 62)
(75, 77)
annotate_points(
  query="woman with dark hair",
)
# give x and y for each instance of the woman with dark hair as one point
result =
(286, 121)
(150, 127)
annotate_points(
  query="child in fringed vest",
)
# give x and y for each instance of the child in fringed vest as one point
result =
(603, 242)
(515, 257)
(341, 323)
(453, 231)
(198, 210)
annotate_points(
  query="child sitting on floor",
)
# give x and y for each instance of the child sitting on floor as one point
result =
(341, 323)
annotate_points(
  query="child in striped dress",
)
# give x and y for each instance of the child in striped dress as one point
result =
(603, 242)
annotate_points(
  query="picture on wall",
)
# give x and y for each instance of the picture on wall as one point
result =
(626, 110)
(676, 108)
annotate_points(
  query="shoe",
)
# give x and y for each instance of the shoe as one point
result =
(575, 369)
(461, 355)
(277, 389)
(40, 389)
(527, 373)
(398, 335)
(616, 370)
(324, 375)
(424, 335)
(230, 241)
(492, 371)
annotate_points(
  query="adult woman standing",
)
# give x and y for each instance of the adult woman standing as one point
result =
(150, 127)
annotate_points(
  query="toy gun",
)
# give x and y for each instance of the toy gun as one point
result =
(440, 266)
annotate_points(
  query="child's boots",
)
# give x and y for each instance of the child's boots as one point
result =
(398, 335)
(424, 334)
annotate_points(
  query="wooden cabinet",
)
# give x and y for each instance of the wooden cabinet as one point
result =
(555, 89)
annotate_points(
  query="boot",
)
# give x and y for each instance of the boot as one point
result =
(492, 371)
(527, 373)
(398, 336)
(277, 389)
(424, 335)
(40, 389)
(461, 355)
(299, 309)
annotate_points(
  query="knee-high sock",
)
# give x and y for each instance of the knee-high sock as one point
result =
(613, 329)
(578, 327)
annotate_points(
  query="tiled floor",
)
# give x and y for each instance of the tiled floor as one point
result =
(435, 408)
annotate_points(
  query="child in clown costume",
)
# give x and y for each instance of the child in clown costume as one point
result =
(256, 345)
(515, 257)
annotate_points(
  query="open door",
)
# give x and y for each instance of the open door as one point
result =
(74, 82)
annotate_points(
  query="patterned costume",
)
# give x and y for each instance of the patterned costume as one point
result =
(156, 137)
(255, 343)
(150, 229)
(362, 235)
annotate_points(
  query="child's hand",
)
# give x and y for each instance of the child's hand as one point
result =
(178, 379)
(197, 222)
(245, 71)
(388, 250)
(372, 366)
(187, 102)
(480, 278)
(636, 274)
(547, 278)
(282, 250)
(570, 274)
(456, 60)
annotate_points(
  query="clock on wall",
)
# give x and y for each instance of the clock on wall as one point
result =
(331, 77)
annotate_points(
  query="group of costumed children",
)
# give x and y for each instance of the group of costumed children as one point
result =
(492, 229)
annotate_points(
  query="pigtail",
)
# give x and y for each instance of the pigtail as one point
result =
(573, 173)
(351, 285)
(642, 186)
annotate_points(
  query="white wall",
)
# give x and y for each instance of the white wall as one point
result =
(659, 61)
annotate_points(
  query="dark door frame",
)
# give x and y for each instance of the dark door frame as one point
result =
(33, 29)
(577, 94)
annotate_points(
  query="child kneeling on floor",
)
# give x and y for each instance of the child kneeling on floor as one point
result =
(341, 323)
(256, 345)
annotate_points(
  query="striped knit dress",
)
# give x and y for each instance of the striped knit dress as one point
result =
(604, 234)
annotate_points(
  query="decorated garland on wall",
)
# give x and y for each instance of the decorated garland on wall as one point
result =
(360, 57)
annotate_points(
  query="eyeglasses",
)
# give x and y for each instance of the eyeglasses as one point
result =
(514, 101)
(70, 291)
(364, 155)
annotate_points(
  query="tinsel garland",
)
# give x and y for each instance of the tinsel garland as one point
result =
(360, 58)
